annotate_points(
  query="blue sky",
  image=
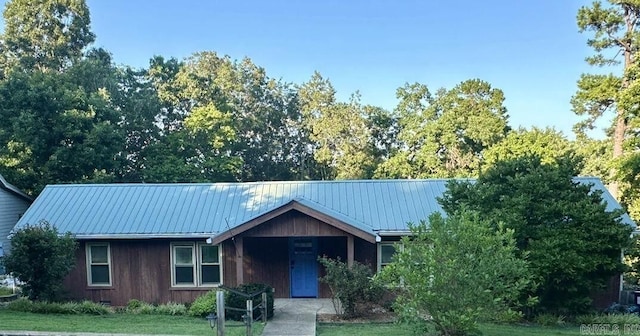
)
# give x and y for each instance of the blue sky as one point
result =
(532, 50)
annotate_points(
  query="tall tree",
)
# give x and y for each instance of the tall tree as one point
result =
(614, 27)
(572, 242)
(45, 34)
(342, 138)
(444, 135)
(59, 127)
(548, 144)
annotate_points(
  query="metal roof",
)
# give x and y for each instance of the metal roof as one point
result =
(203, 210)
(12, 189)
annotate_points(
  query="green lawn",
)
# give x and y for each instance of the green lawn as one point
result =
(403, 330)
(114, 323)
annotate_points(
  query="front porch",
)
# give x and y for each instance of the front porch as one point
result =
(283, 252)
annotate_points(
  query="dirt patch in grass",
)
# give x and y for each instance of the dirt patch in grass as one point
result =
(368, 313)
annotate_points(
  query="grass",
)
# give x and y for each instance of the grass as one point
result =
(114, 323)
(384, 329)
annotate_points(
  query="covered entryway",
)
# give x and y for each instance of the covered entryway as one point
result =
(282, 250)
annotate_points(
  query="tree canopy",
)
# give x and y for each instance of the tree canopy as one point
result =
(571, 241)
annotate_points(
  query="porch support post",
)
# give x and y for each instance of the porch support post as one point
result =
(349, 250)
(239, 260)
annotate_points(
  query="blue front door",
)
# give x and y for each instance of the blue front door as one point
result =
(303, 254)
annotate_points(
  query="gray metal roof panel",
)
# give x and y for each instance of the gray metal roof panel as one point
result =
(196, 209)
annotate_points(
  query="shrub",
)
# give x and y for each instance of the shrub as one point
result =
(508, 316)
(619, 319)
(22, 304)
(134, 304)
(204, 304)
(550, 320)
(171, 308)
(5, 291)
(236, 300)
(92, 308)
(456, 272)
(41, 258)
(349, 285)
(41, 307)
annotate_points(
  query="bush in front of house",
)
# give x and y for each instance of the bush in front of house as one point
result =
(135, 306)
(42, 307)
(350, 285)
(239, 301)
(204, 304)
(41, 258)
(455, 272)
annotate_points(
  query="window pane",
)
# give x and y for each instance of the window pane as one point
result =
(386, 253)
(184, 275)
(100, 275)
(184, 255)
(210, 254)
(211, 274)
(99, 254)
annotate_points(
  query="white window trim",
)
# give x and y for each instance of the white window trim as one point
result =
(197, 263)
(89, 264)
(379, 247)
(173, 263)
(200, 264)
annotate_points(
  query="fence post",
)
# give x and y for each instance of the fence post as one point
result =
(220, 309)
(249, 316)
(264, 307)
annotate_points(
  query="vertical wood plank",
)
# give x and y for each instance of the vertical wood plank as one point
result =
(350, 250)
(239, 241)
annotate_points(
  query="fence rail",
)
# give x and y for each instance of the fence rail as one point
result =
(249, 317)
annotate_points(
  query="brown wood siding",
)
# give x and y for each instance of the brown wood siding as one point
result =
(266, 260)
(140, 270)
(331, 247)
(366, 253)
(294, 224)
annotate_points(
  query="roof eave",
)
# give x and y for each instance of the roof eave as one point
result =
(143, 236)
(12, 189)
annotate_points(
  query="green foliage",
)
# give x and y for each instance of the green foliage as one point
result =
(545, 143)
(444, 135)
(455, 272)
(43, 307)
(349, 285)
(82, 138)
(171, 308)
(134, 304)
(5, 290)
(41, 258)
(138, 307)
(204, 304)
(339, 132)
(238, 301)
(614, 36)
(620, 319)
(571, 241)
(47, 35)
(550, 320)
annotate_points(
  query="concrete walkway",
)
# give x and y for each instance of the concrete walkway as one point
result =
(296, 316)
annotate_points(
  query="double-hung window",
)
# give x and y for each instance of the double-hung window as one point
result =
(385, 254)
(195, 265)
(209, 264)
(98, 264)
(184, 265)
